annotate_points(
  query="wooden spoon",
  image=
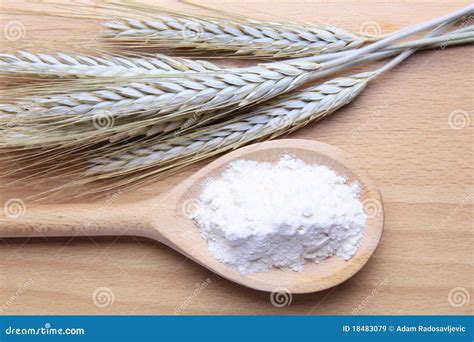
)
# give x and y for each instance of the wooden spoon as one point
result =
(166, 218)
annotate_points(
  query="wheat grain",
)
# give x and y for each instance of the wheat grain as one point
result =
(242, 38)
(62, 64)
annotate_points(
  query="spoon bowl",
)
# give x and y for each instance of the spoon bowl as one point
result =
(167, 218)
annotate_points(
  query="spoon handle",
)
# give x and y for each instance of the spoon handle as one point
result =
(77, 220)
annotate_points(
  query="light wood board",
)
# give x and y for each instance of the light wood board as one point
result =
(400, 131)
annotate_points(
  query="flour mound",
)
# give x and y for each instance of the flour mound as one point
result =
(256, 216)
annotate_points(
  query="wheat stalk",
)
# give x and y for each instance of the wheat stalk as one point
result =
(241, 38)
(204, 91)
(33, 134)
(238, 87)
(458, 37)
(270, 120)
(80, 65)
(22, 135)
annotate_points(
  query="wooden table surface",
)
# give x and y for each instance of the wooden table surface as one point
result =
(412, 131)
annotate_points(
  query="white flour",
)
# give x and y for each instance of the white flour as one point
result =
(256, 216)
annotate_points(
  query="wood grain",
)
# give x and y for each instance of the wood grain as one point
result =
(398, 129)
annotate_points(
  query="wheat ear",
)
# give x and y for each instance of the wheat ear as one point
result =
(157, 97)
(80, 65)
(241, 38)
(270, 120)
